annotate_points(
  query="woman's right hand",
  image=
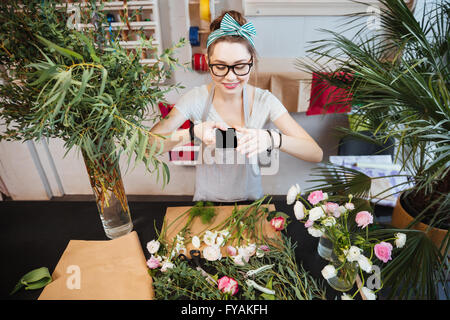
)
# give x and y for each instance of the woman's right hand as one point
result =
(205, 131)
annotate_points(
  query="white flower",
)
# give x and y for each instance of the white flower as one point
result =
(259, 253)
(179, 247)
(346, 297)
(329, 272)
(166, 265)
(298, 210)
(212, 253)
(153, 246)
(325, 196)
(315, 232)
(196, 242)
(365, 263)
(292, 194)
(349, 206)
(316, 213)
(240, 260)
(220, 241)
(247, 251)
(353, 253)
(329, 222)
(209, 238)
(370, 295)
(400, 239)
(224, 233)
(180, 238)
(342, 209)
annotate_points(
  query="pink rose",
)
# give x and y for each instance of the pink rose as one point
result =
(231, 251)
(153, 263)
(383, 251)
(228, 285)
(363, 219)
(277, 223)
(308, 223)
(331, 207)
(315, 197)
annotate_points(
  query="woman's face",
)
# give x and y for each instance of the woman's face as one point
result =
(230, 53)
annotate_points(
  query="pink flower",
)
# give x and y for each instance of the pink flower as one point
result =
(363, 219)
(153, 263)
(277, 223)
(264, 248)
(331, 207)
(315, 197)
(383, 251)
(308, 223)
(228, 285)
(231, 251)
(349, 206)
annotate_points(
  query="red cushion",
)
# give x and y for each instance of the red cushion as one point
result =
(338, 99)
(166, 108)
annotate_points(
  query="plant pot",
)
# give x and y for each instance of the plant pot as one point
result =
(401, 219)
(110, 196)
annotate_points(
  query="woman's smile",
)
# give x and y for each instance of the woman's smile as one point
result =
(231, 86)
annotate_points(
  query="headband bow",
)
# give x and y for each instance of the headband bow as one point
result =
(229, 27)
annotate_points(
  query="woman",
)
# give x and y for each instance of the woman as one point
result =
(230, 102)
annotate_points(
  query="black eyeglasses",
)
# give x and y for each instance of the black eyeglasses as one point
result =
(240, 69)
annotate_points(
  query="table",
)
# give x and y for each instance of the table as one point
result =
(35, 234)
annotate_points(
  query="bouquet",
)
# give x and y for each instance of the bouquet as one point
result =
(233, 260)
(353, 249)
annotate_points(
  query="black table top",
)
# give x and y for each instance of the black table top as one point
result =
(35, 234)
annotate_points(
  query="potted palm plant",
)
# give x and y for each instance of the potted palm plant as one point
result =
(85, 89)
(399, 84)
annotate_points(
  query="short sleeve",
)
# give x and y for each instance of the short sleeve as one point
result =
(276, 108)
(190, 104)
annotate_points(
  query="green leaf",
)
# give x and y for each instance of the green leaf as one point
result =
(63, 51)
(35, 279)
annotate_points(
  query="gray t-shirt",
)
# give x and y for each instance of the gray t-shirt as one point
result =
(265, 107)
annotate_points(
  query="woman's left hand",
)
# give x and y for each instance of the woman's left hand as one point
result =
(252, 141)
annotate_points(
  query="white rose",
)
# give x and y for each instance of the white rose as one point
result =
(353, 254)
(220, 241)
(224, 233)
(317, 233)
(259, 253)
(329, 272)
(346, 297)
(298, 210)
(166, 265)
(239, 260)
(368, 293)
(209, 238)
(212, 253)
(365, 263)
(196, 242)
(153, 246)
(329, 222)
(316, 213)
(400, 240)
(349, 206)
(292, 194)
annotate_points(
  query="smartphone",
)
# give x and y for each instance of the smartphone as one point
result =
(226, 139)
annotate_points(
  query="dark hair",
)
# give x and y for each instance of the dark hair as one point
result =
(232, 38)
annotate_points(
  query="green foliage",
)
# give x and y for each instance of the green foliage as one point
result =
(290, 281)
(80, 87)
(400, 89)
(205, 211)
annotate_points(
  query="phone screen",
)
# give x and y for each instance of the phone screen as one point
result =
(226, 139)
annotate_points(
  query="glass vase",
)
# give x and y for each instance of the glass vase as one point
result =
(325, 248)
(106, 182)
(346, 276)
